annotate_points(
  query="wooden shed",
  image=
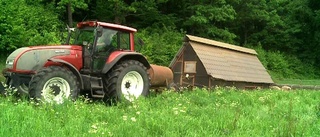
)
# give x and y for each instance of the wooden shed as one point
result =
(207, 63)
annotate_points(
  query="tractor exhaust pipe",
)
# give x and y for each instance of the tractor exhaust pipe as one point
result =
(160, 76)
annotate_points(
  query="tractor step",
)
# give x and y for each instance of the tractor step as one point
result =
(97, 93)
(97, 88)
(97, 96)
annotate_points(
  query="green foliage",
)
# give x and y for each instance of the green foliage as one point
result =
(278, 64)
(218, 112)
(140, 14)
(24, 25)
(283, 66)
(209, 19)
(80, 4)
(160, 45)
(116, 10)
(286, 32)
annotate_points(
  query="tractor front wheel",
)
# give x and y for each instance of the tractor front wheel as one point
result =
(22, 88)
(54, 84)
(128, 80)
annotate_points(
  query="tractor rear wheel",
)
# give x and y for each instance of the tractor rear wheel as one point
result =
(127, 81)
(54, 84)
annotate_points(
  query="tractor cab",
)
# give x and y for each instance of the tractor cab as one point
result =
(99, 40)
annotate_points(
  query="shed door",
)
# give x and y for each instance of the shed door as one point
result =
(189, 71)
(187, 80)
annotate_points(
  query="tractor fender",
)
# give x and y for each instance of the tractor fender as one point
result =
(116, 57)
(71, 67)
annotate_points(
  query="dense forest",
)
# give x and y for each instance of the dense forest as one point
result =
(285, 33)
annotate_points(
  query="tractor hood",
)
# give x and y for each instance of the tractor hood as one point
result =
(32, 58)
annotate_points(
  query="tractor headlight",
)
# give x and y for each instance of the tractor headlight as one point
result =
(9, 63)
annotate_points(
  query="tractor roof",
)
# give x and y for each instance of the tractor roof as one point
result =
(107, 25)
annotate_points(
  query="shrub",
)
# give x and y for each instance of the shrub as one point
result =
(161, 45)
(285, 66)
(25, 24)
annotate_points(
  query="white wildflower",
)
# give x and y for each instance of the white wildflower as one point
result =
(183, 111)
(94, 126)
(133, 119)
(262, 99)
(125, 118)
(176, 112)
(233, 104)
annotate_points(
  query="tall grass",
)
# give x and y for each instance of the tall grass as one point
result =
(297, 81)
(220, 112)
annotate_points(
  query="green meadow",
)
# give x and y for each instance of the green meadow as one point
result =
(197, 113)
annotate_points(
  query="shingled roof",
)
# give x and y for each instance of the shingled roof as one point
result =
(228, 62)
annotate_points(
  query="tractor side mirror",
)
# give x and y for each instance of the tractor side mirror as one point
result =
(85, 43)
(70, 30)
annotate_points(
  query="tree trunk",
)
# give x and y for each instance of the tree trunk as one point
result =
(69, 10)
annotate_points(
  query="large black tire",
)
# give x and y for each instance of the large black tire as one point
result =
(53, 84)
(127, 81)
(2, 90)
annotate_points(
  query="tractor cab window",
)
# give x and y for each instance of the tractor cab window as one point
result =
(107, 42)
(124, 41)
(111, 40)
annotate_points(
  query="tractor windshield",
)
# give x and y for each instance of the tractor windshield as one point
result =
(84, 36)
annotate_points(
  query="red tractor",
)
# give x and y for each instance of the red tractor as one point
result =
(101, 62)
